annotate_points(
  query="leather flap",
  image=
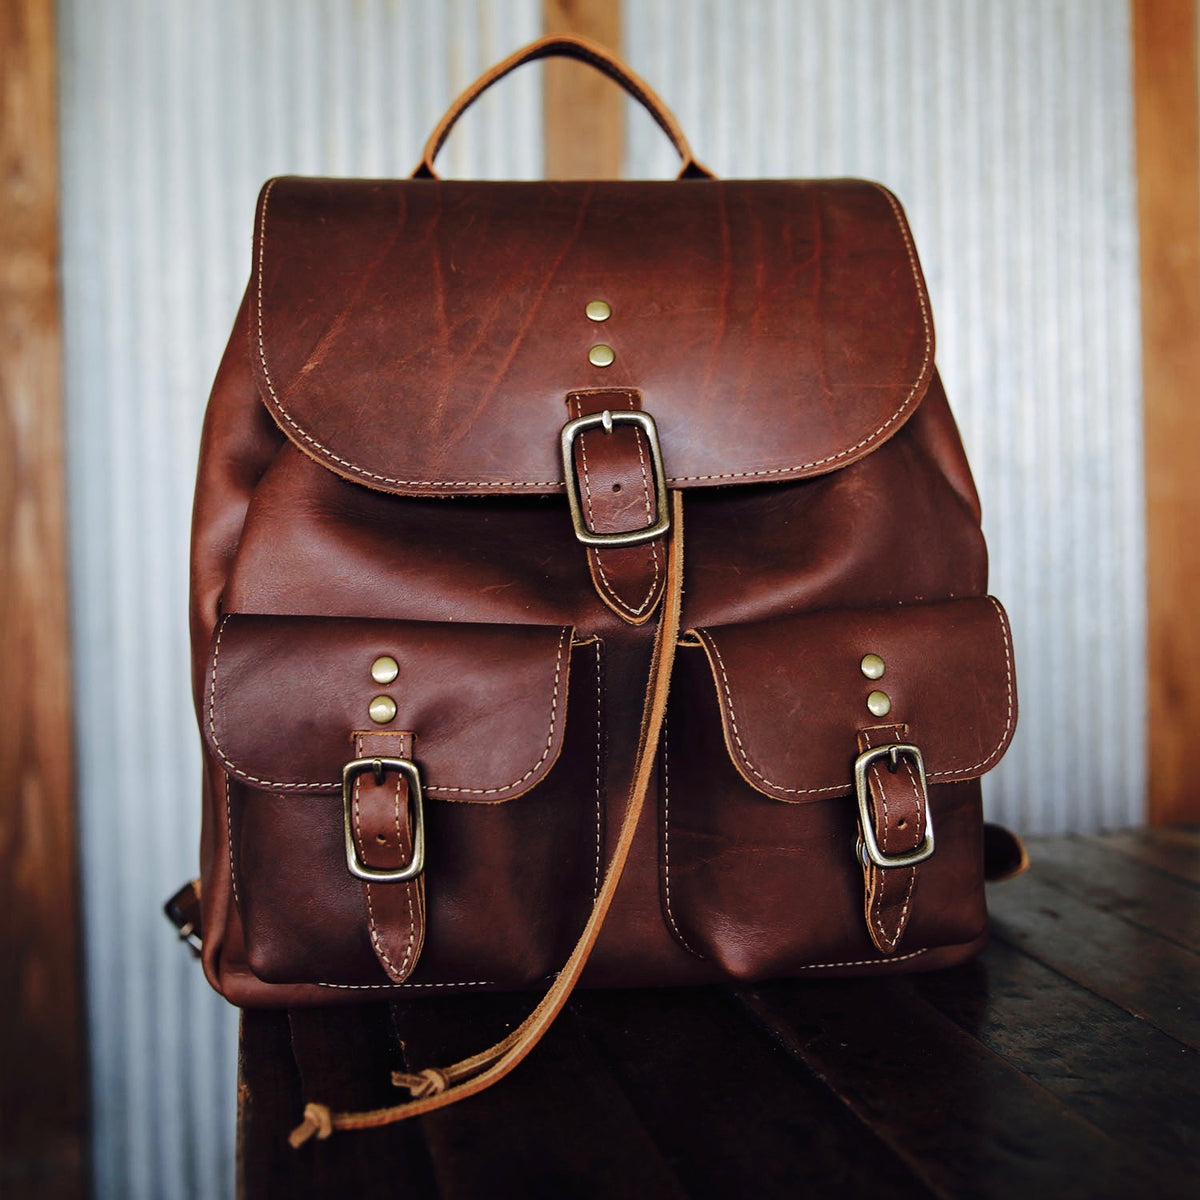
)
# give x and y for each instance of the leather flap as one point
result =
(421, 336)
(487, 704)
(793, 694)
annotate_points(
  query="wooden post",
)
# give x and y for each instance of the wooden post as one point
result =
(42, 1109)
(584, 125)
(1168, 174)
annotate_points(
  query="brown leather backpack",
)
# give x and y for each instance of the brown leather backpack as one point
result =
(587, 587)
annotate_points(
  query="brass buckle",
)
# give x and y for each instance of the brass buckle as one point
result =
(868, 846)
(607, 419)
(378, 767)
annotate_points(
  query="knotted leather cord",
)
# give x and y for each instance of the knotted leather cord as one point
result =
(436, 1088)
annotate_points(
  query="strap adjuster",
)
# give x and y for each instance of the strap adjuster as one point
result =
(412, 776)
(607, 419)
(869, 845)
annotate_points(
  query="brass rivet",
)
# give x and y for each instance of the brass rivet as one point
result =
(880, 704)
(598, 310)
(601, 355)
(384, 669)
(382, 710)
(872, 666)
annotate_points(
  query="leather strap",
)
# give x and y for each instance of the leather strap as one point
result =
(582, 50)
(613, 469)
(899, 805)
(437, 1087)
(382, 829)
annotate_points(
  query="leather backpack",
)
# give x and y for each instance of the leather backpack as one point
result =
(587, 588)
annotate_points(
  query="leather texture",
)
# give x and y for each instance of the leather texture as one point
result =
(737, 312)
(381, 474)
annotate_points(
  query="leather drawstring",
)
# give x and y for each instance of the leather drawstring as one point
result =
(437, 1088)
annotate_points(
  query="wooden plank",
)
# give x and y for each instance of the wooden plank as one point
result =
(42, 1113)
(1113, 883)
(583, 112)
(731, 1114)
(343, 1054)
(1154, 979)
(1174, 851)
(1168, 172)
(1123, 1076)
(557, 1126)
(961, 1117)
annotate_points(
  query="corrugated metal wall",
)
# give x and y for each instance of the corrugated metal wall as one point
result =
(172, 116)
(1006, 129)
(1004, 126)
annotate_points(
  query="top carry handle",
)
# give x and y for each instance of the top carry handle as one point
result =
(594, 55)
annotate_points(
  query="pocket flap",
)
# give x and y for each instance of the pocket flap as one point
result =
(793, 693)
(487, 704)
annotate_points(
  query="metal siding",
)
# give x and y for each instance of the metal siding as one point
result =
(172, 116)
(1006, 129)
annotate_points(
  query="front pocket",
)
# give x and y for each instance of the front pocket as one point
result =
(761, 869)
(504, 726)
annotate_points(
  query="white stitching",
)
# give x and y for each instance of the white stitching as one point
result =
(866, 962)
(562, 642)
(376, 940)
(324, 450)
(958, 772)
(273, 785)
(666, 753)
(229, 841)
(363, 987)
(875, 873)
(599, 780)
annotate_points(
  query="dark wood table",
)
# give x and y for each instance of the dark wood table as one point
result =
(1062, 1063)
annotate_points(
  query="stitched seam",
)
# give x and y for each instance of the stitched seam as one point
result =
(867, 962)
(562, 643)
(666, 753)
(229, 841)
(363, 987)
(354, 469)
(958, 772)
(994, 756)
(878, 874)
(434, 791)
(599, 781)
(712, 645)
(376, 940)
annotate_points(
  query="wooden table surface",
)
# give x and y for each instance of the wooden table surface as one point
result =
(1061, 1063)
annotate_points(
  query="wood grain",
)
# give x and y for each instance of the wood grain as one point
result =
(41, 1046)
(1061, 1062)
(1168, 172)
(584, 113)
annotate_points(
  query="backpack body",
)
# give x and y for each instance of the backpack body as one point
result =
(391, 564)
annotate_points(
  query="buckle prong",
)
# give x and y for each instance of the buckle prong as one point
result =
(412, 776)
(869, 844)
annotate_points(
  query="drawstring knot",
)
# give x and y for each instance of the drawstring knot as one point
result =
(318, 1120)
(428, 1082)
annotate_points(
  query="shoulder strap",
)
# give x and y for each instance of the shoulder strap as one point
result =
(437, 1087)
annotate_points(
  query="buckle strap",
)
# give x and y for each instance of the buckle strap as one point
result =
(616, 488)
(895, 829)
(473, 1075)
(384, 823)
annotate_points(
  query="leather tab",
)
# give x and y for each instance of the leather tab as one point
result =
(614, 473)
(899, 805)
(382, 832)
